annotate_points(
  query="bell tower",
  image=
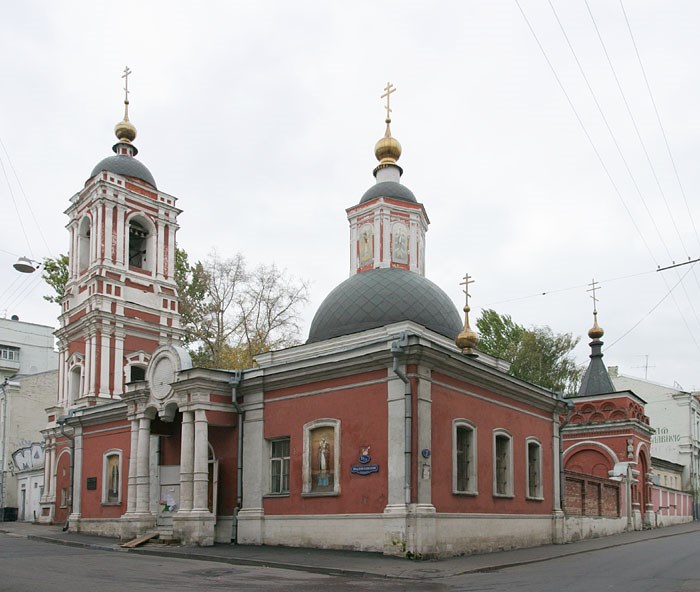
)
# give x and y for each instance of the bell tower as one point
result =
(121, 300)
(388, 226)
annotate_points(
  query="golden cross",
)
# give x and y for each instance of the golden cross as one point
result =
(594, 286)
(390, 88)
(467, 280)
(125, 76)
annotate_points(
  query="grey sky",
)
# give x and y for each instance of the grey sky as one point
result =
(261, 117)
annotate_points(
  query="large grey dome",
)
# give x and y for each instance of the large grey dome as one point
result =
(126, 166)
(389, 189)
(378, 297)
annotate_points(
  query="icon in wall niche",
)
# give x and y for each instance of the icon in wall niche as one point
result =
(322, 459)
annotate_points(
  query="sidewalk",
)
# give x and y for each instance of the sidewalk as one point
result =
(347, 563)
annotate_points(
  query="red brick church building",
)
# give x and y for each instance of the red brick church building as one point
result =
(386, 431)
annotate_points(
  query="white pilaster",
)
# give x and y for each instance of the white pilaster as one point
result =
(200, 474)
(186, 461)
(133, 451)
(142, 466)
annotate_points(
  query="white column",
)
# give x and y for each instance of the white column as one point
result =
(93, 363)
(121, 231)
(77, 471)
(131, 483)
(424, 436)
(186, 461)
(119, 361)
(61, 373)
(159, 254)
(396, 411)
(108, 234)
(104, 362)
(49, 451)
(143, 466)
(201, 457)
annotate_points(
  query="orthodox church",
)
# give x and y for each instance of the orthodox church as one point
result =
(386, 431)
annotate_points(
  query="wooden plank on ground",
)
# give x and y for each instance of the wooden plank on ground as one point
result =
(140, 540)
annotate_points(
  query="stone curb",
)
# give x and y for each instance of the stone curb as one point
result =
(355, 573)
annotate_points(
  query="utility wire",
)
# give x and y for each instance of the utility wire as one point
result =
(658, 119)
(14, 203)
(653, 308)
(585, 131)
(26, 199)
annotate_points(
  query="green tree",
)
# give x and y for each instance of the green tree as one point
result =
(55, 274)
(230, 314)
(536, 354)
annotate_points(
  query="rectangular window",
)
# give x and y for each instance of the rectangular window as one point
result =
(534, 470)
(502, 465)
(279, 466)
(9, 353)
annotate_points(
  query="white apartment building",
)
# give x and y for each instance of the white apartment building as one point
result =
(675, 415)
(26, 348)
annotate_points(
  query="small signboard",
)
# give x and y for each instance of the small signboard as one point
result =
(91, 483)
(364, 469)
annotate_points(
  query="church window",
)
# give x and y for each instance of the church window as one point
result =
(502, 464)
(75, 384)
(137, 373)
(84, 244)
(111, 477)
(138, 243)
(321, 457)
(534, 469)
(279, 466)
(464, 457)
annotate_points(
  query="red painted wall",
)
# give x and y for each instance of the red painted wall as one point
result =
(362, 411)
(96, 441)
(486, 416)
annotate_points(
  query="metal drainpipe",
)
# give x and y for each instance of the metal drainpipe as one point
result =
(234, 382)
(61, 421)
(396, 348)
(562, 481)
(4, 444)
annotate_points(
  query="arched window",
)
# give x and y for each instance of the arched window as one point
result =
(464, 473)
(138, 244)
(112, 477)
(75, 384)
(502, 464)
(84, 244)
(534, 469)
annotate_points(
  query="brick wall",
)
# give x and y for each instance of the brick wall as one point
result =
(590, 496)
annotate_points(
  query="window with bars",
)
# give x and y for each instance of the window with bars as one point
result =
(503, 467)
(534, 469)
(279, 466)
(464, 465)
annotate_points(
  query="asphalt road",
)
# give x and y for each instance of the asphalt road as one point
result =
(669, 564)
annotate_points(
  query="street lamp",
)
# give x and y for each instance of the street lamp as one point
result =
(26, 265)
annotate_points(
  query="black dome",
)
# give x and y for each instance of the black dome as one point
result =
(126, 166)
(389, 189)
(378, 297)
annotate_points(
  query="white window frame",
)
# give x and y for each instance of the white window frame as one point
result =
(472, 477)
(281, 460)
(307, 455)
(498, 434)
(534, 442)
(105, 477)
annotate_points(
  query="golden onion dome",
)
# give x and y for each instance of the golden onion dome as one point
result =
(125, 130)
(387, 149)
(595, 332)
(467, 339)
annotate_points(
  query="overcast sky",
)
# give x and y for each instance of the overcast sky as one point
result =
(261, 117)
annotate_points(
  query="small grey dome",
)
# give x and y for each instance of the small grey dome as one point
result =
(378, 297)
(126, 166)
(389, 189)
